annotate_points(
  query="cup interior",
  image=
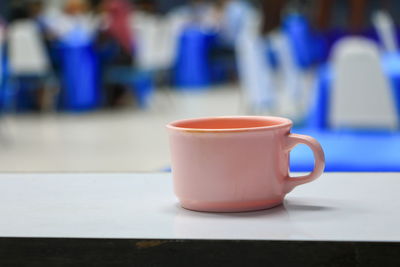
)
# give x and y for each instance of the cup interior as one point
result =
(231, 123)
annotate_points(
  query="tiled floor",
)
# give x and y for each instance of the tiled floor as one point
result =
(127, 140)
(122, 140)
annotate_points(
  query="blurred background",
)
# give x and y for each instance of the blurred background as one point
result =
(90, 85)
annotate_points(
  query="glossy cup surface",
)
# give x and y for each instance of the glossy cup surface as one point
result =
(230, 164)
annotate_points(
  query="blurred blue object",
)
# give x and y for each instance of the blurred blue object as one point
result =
(192, 67)
(391, 66)
(143, 87)
(319, 48)
(80, 77)
(271, 54)
(318, 116)
(350, 151)
(5, 96)
(300, 37)
(18, 92)
(26, 90)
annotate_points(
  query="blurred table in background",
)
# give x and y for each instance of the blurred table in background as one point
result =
(350, 151)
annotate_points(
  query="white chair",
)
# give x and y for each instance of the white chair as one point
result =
(386, 30)
(361, 96)
(27, 53)
(293, 95)
(29, 62)
(255, 74)
(154, 38)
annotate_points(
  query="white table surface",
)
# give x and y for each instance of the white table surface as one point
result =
(337, 207)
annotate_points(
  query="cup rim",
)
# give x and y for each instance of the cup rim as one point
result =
(285, 123)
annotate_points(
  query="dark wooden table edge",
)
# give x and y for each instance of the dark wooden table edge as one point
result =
(20, 251)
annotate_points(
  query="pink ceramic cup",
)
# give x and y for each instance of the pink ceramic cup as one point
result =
(232, 164)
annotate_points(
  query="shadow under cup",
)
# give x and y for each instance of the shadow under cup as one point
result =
(231, 164)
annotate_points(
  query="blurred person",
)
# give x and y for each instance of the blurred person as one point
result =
(116, 45)
(119, 13)
(163, 7)
(351, 15)
(116, 29)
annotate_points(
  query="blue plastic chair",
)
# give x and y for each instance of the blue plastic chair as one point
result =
(301, 40)
(79, 75)
(192, 67)
(79, 71)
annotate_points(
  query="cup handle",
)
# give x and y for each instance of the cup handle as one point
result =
(319, 160)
